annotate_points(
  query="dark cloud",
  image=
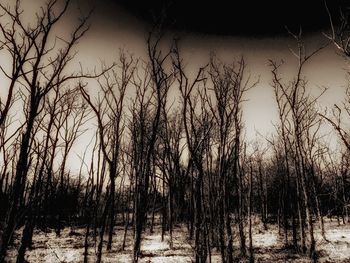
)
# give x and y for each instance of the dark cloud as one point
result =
(247, 18)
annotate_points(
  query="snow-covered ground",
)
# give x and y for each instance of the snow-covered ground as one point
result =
(337, 245)
(268, 247)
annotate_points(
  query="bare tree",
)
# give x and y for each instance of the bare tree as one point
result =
(229, 85)
(38, 68)
(197, 126)
(300, 122)
(109, 112)
(151, 94)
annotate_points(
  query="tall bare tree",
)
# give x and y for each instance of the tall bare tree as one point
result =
(109, 112)
(229, 86)
(301, 123)
(38, 67)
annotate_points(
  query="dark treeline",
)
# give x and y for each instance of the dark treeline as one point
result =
(184, 160)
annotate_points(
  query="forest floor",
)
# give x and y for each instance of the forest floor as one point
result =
(268, 246)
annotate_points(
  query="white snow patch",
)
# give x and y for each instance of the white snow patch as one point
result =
(338, 251)
(63, 255)
(336, 235)
(337, 245)
(267, 239)
(176, 259)
(154, 243)
(125, 258)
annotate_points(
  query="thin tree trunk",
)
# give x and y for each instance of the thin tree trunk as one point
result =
(251, 250)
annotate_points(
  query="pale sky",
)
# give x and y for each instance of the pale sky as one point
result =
(112, 27)
(327, 69)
